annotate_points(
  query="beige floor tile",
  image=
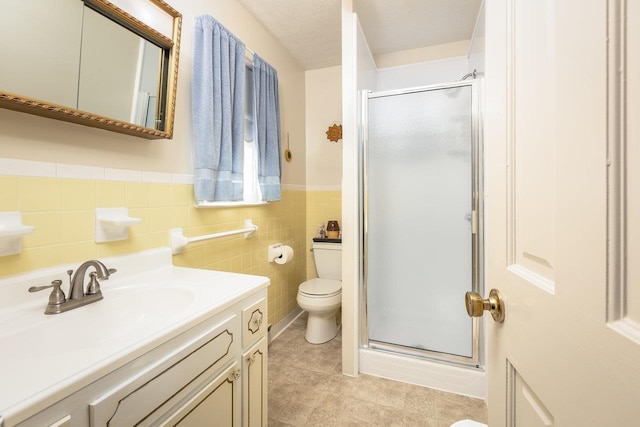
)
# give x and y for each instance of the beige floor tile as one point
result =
(276, 423)
(389, 416)
(359, 409)
(350, 422)
(292, 413)
(323, 417)
(412, 419)
(307, 388)
(331, 402)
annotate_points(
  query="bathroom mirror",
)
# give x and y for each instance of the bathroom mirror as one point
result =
(92, 62)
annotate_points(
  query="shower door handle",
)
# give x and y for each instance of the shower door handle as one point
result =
(476, 305)
(472, 218)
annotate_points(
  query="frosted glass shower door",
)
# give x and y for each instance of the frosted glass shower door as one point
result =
(418, 239)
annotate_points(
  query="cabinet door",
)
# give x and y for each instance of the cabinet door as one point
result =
(254, 385)
(214, 405)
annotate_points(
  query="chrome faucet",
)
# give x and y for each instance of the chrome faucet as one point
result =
(77, 295)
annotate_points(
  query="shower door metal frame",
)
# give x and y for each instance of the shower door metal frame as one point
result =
(476, 360)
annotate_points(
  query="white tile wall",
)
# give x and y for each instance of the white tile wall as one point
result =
(79, 172)
(122, 175)
(27, 168)
(18, 167)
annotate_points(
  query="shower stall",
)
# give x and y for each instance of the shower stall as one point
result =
(421, 230)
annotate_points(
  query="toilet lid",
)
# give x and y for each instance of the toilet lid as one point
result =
(321, 287)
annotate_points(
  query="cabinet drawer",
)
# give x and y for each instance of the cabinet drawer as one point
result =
(170, 381)
(254, 322)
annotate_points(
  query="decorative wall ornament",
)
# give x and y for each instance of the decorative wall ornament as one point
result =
(288, 156)
(334, 133)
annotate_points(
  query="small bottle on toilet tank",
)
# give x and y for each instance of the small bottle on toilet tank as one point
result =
(333, 229)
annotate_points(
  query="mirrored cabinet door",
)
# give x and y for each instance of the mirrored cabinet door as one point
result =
(91, 62)
(40, 49)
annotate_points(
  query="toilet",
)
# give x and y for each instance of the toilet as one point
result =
(322, 297)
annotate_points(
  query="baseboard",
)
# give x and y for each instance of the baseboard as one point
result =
(280, 327)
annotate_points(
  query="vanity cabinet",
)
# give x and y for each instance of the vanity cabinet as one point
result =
(213, 374)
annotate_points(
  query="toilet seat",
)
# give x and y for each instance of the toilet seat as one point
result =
(321, 288)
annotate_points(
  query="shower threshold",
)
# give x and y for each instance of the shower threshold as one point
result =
(419, 353)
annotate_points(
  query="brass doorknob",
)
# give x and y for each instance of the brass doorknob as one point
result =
(476, 305)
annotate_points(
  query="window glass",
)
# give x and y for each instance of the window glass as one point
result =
(251, 191)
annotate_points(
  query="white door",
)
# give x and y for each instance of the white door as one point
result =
(563, 220)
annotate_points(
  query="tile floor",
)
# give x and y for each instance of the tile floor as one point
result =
(307, 388)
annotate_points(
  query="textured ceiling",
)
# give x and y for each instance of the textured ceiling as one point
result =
(310, 29)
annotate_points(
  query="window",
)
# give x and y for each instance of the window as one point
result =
(252, 193)
(251, 187)
(237, 129)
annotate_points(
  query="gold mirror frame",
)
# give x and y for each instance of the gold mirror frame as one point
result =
(38, 107)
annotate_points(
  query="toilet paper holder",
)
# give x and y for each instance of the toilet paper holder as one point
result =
(275, 252)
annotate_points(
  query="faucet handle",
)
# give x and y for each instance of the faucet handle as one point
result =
(56, 297)
(94, 286)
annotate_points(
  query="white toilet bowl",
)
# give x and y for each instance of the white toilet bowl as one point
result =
(321, 298)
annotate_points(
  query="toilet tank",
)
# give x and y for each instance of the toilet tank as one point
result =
(328, 259)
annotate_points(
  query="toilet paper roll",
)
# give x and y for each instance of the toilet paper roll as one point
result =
(286, 254)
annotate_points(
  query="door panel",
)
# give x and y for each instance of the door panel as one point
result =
(627, 208)
(525, 407)
(531, 145)
(562, 200)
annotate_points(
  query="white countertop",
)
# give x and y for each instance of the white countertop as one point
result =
(44, 358)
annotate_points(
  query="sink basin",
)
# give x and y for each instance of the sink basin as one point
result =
(120, 305)
(148, 308)
(137, 303)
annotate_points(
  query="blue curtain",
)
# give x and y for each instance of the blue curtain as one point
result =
(217, 111)
(265, 84)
